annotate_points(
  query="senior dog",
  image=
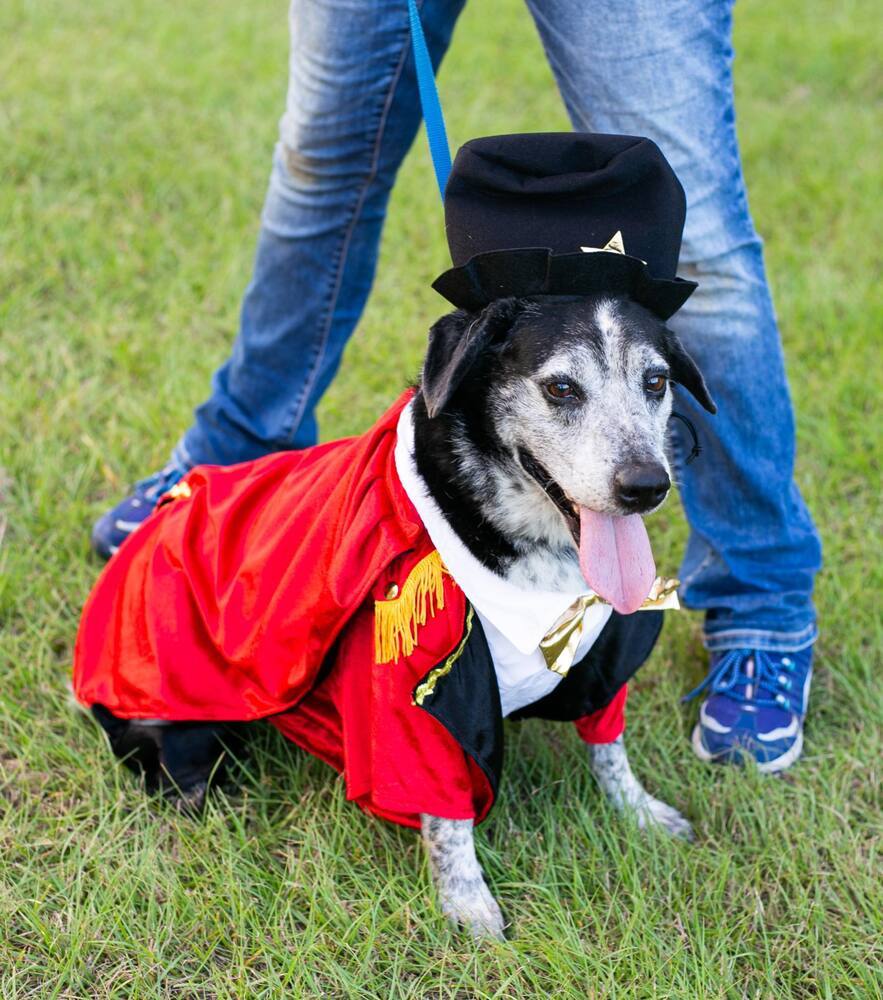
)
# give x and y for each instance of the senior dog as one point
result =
(478, 554)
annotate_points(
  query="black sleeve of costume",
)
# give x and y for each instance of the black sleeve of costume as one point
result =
(467, 703)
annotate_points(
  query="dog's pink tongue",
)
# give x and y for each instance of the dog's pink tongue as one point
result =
(615, 558)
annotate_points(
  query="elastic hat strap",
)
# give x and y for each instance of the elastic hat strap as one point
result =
(696, 450)
(429, 101)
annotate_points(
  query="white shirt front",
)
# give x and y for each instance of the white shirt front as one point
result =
(514, 620)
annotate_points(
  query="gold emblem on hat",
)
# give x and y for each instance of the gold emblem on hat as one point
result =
(613, 245)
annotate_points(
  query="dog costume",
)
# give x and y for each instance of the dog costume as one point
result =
(305, 589)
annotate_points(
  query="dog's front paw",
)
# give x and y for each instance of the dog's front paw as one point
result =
(474, 908)
(655, 814)
(610, 765)
(462, 891)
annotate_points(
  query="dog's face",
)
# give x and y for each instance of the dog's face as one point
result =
(578, 393)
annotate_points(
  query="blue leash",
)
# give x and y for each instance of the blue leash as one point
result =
(432, 112)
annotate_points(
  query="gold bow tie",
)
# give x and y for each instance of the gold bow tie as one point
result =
(560, 643)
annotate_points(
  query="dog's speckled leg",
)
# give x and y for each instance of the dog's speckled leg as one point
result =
(610, 765)
(464, 895)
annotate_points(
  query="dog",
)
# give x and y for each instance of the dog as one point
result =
(531, 416)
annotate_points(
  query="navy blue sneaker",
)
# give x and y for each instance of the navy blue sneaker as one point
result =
(113, 528)
(756, 706)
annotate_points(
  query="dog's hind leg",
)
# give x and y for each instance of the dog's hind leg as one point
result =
(463, 893)
(610, 765)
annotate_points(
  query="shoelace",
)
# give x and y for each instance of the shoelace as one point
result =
(153, 487)
(768, 682)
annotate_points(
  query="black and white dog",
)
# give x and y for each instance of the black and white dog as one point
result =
(538, 422)
(528, 415)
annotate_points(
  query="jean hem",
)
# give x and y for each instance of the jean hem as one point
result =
(761, 639)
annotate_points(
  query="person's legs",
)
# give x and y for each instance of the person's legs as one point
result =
(665, 72)
(351, 115)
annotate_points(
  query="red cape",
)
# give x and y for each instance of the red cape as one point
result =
(223, 606)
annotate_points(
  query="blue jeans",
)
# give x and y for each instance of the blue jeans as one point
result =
(630, 66)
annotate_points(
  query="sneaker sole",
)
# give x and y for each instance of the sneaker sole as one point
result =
(781, 763)
(99, 544)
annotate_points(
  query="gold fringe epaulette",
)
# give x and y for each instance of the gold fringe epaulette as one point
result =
(397, 619)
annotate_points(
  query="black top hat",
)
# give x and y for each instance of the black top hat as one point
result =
(564, 213)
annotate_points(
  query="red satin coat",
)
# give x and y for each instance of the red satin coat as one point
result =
(227, 603)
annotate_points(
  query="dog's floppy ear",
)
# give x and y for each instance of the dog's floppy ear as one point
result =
(456, 342)
(685, 372)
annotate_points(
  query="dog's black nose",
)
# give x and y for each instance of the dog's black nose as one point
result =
(641, 486)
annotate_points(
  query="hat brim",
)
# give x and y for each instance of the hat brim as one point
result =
(499, 274)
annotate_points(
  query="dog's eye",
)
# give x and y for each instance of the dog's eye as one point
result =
(655, 384)
(560, 390)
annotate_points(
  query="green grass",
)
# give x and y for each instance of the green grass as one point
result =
(134, 149)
